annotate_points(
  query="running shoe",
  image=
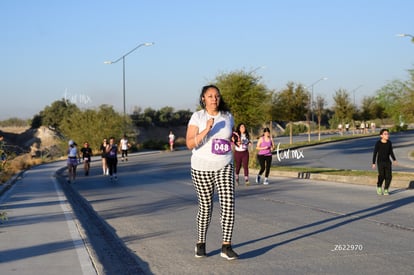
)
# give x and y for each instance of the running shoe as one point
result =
(200, 250)
(379, 190)
(228, 253)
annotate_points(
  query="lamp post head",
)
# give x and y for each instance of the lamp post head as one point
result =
(148, 44)
(107, 62)
(406, 35)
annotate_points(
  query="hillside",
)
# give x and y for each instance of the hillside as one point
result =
(25, 140)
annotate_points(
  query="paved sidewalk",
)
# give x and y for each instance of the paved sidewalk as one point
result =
(40, 235)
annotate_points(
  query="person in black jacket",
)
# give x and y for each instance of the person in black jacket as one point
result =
(86, 156)
(112, 158)
(383, 153)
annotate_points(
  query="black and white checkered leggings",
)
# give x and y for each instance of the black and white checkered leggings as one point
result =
(204, 183)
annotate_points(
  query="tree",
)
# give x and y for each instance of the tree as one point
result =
(247, 98)
(94, 125)
(53, 115)
(36, 121)
(343, 107)
(397, 99)
(371, 109)
(165, 115)
(290, 105)
(391, 98)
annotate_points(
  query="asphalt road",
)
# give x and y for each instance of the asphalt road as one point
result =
(291, 226)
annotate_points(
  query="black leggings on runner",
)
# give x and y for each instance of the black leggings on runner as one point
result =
(265, 163)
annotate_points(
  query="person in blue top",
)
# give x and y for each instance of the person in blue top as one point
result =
(208, 135)
(72, 162)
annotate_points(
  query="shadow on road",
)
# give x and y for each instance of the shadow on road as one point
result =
(341, 220)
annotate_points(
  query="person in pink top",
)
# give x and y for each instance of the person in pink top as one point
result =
(265, 146)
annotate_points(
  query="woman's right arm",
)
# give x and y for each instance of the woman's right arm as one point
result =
(194, 138)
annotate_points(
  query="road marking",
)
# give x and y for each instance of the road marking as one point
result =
(81, 250)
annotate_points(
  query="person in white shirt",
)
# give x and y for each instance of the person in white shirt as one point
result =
(124, 145)
(171, 139)
(209, 137)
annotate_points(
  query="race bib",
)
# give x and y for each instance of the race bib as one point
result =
(220, 146)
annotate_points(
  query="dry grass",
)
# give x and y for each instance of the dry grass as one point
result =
(16, 165)
(14, 129)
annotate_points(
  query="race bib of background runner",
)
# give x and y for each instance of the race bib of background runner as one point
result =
(220, 146)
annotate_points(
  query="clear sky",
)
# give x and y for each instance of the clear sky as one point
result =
(53, 49)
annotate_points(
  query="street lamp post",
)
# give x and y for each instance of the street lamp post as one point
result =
(406, 35)
(123, 67)
(353, 93)
(316, 82)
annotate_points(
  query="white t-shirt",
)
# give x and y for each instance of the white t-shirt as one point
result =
(203, 159)
(124, 144)
(244, 144)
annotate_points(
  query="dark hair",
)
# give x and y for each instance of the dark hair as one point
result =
(222, 104)
(246, 132)
(266, 130)
(383, 130)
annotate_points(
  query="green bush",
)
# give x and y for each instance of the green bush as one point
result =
(155, 145)
(399, 128)
(296, 129)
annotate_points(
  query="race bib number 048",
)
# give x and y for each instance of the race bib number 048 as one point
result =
(220, 146)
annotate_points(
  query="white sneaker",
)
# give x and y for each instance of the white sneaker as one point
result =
(266, 181)
(258, 179)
